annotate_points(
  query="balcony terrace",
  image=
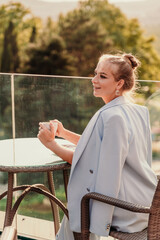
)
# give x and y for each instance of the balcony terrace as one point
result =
(25, 100)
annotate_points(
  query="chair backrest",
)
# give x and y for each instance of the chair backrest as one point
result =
(154, 217)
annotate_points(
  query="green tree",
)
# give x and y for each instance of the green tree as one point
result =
(84, 38)
(33, 35)
(48, 58)
(10, 57)
(98, 27)
(11, 16)
(16, 30)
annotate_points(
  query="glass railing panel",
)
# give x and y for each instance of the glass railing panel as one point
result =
(44, 98)
(5, 107)
(6, 150)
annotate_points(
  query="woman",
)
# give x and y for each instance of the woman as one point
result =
(113, 156)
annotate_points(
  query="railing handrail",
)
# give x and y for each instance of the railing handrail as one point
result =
(63, 76)
(43, 75)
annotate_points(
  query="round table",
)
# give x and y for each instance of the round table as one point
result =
(30, 155)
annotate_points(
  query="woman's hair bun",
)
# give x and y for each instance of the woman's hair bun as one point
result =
(133, 61)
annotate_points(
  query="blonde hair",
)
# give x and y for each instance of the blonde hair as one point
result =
(127, 65)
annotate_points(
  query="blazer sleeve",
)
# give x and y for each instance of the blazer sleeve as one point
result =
(113, 153)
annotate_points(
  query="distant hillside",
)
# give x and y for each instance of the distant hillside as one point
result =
(45, 9)
(147, 11)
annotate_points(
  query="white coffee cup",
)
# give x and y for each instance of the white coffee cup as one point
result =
(47, 125)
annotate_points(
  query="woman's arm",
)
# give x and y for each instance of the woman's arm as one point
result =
(47, 138)
(66, 134)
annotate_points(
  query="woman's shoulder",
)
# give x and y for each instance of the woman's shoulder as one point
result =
(119, 113)
(140, 108)
(112, 114)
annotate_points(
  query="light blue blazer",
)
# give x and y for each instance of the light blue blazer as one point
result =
(113, 157)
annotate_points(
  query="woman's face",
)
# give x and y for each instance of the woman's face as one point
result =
(104, 84)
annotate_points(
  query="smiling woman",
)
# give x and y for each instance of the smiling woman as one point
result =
(114, 75)
(104, 84)
(117, 139)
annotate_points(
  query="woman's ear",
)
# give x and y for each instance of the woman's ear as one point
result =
(120, 84)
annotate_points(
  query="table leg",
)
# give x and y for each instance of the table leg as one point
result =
(66, 179)
(53, 204)
(8, 217)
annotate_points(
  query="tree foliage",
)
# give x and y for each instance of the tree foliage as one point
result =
(10, 57)
(16, 29)
(98, 27)
(48, 58)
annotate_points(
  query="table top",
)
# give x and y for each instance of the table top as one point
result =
(29, 154)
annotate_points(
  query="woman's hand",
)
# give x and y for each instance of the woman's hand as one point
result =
(47, 138)
(45, 135)
(65, 133)
(60, 129)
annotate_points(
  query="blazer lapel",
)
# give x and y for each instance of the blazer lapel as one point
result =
(88, 130)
